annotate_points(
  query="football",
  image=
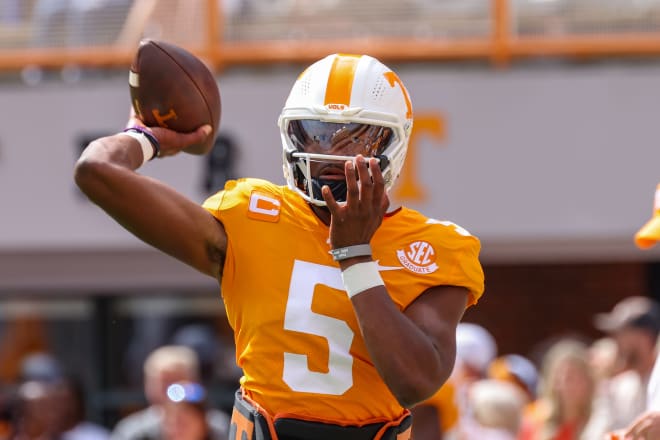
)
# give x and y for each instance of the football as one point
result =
(172, 88)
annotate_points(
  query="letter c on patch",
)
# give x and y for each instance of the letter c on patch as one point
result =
(264, 207)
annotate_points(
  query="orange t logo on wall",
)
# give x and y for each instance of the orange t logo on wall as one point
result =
(264, 207)
(426, 124)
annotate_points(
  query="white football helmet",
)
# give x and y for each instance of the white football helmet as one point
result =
(341, 93)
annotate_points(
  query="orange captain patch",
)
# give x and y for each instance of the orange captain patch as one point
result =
(264, 207)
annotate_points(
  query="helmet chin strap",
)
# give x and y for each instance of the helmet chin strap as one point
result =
(337, 188)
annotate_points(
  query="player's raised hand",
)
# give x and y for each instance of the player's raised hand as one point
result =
(172, 142)
(356, 220)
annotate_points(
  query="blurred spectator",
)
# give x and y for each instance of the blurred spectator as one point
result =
(604, 359)
(34, 417)
(497, 408)
(163, 367)
(647, 425)
(518, 370)
(200, 338)
(634, 324)
(72, 421)
(475, 350)
(564, 410)
(45, 387)
(184, 413)
(40, 366)
(20, 337)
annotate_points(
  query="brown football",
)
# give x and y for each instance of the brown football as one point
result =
(172, 88)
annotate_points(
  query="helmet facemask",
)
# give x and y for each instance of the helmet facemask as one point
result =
(311, 141)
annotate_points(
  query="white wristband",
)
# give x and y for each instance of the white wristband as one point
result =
(360, 277)
(147, 148)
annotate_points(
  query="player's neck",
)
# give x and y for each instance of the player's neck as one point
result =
(322, 213)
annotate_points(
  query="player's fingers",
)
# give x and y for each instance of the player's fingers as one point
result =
(133, 119)
(172, 142)
(352, 189)
(385, 202)
(378, 181)
(204, 131)
(198, 135)
(366, 185)
(329, 199)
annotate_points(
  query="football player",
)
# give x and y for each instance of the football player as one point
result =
(344, 310)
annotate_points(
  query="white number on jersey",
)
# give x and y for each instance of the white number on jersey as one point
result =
(300, 317)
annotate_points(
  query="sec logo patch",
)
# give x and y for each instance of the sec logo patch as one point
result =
(419, 257)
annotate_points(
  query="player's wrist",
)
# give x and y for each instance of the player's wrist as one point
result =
(148, 142)
(345, 264)
(360, 277)
(347, 252)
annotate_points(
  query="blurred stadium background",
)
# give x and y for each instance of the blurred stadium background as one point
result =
(537, 129)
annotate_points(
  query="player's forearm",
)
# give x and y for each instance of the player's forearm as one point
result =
(405, 357)
(119, 149)
(105, 168)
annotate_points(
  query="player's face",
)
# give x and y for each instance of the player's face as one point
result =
(338, 139)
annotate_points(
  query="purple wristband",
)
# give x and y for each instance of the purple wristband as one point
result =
(152, 139)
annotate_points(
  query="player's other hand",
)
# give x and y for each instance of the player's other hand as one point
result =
(172, 142)
(356, 220)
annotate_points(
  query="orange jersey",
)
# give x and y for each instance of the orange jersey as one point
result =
(297, 337)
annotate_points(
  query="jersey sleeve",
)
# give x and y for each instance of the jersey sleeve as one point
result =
(233, 195)
(458, 259)
(235, 198)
